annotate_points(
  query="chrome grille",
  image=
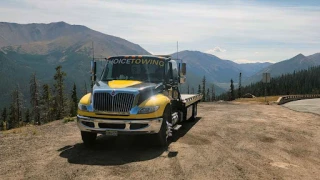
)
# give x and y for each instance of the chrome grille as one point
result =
(121, 102)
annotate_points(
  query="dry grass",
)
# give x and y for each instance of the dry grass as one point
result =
(30, 129)
(270, 99)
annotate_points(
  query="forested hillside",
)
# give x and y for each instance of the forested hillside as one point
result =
(300, 82)
(39, 48)
(297, 63)
(215, 69)
(47, 102)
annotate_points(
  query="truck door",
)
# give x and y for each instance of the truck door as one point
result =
(173, 80)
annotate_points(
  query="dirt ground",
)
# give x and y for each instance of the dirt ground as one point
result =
(229, 141)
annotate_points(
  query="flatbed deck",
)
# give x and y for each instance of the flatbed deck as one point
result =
(189, 99)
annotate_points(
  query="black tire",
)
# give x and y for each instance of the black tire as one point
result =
(194, 112)
(161, 139)
(88, 138)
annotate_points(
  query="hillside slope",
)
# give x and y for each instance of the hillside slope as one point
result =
(60, 36)
(216, 70)
(54, 44)
(299, 62)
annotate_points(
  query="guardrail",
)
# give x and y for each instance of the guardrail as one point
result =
(289, 98)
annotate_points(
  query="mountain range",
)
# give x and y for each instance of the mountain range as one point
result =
(217, 70)
(296, 63)
(39, 48)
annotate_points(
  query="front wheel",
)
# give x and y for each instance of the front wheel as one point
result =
(88, 138)
(161, 138)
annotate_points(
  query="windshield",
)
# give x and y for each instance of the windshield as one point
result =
(151, 70)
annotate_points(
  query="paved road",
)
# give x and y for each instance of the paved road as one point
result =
(308, 105)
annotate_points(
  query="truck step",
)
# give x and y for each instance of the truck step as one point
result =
(177, 127)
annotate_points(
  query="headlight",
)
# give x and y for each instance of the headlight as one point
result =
(82, 107)
(146, 110)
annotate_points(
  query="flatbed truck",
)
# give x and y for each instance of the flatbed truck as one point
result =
(136, 95)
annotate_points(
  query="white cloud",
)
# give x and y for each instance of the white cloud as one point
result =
(215, 50)
(244, 28)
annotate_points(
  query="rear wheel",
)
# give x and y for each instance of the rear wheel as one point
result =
(161, 138)
(88, 138)
(194, 112)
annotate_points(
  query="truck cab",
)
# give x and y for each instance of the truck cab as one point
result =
(136, 95)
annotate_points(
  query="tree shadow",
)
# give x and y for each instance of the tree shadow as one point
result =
(121, 150)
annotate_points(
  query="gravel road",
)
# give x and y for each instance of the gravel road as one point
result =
(228, 141)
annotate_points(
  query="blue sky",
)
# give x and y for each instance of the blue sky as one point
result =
(238, 30)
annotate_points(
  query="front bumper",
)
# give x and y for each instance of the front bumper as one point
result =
(98, 125)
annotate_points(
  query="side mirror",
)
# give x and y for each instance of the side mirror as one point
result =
(93, 70)
(183, 70)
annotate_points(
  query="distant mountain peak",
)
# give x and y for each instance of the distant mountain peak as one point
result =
(59, 23)
(299, 56)
(41, 38)
(196, 53)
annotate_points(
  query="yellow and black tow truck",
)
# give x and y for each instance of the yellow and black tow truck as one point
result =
(136, 95)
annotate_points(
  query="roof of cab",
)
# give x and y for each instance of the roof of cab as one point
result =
(163, 57)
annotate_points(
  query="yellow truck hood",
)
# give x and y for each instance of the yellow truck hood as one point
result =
(115, 84)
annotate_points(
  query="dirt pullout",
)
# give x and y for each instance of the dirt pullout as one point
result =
(229, 141)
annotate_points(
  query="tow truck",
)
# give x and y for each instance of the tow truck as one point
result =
(136, 95)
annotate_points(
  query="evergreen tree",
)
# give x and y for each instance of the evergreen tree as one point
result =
(188, 89)
(11, 119)
(4, 114)
(46, 104)
(199, 89)
(27, 116)
(239, 90)
(192, 90)
(59, 99)
(213, 94)
(232, 97)
(35, 98)
(204, 88)
(208, 95)
(4, 117)
(74, 101)
(16, 108)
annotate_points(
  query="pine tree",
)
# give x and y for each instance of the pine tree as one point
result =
(213, 94)
(11, 119)
(74, 101)
(188, 89)
(16, 108)
(199, 89)
(232, 97)
(204, 88)
(3, 117)
(192, 90)
(59, 99)
(35, 98)
(208, 95)
(27, 116)
(239, 90)
(46, 104)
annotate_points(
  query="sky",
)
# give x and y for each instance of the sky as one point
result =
(239, 30)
